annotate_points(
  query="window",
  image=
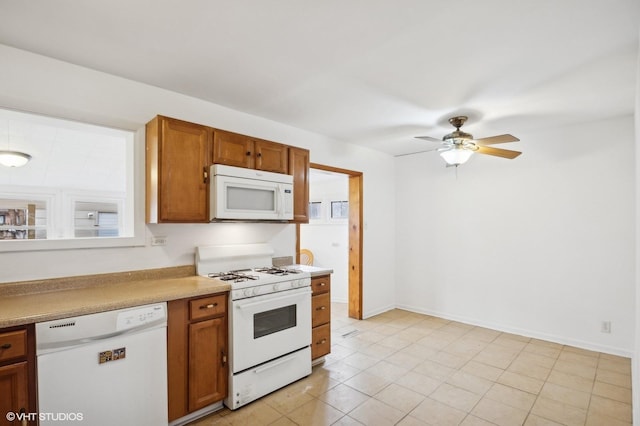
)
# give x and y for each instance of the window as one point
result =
(77, 190)
(315, 210)
(339, 209)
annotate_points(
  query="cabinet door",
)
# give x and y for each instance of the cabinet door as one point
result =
(14, 395)
(299, 168)
(271, 156)
(178, 159)
(233, 149)
(184, 168)
(207, 362)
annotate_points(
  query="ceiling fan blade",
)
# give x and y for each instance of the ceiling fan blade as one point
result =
(498, 152)
(429, 138)
(418, 152)
(496, 139)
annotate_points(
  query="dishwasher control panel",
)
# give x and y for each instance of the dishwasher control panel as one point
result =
(140, 316)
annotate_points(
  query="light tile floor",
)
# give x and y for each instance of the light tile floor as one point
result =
(410, 369)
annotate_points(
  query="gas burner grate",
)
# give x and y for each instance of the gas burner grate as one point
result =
(233, 276)
(273, 270)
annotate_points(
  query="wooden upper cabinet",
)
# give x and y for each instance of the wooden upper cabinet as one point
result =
(233, 149)
(238, 150)
(178, 155)
(299, 168)
(271, 156)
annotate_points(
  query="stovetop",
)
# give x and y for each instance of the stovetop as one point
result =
(235, 265)
(260, 281)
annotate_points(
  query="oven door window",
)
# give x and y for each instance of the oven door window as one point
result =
(273, 321)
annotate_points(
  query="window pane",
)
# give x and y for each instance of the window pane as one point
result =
(22, 219)
(95, 219)
(315, 210)
(339, 209)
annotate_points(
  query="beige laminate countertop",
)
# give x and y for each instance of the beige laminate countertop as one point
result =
(315, 271)
(55, 300)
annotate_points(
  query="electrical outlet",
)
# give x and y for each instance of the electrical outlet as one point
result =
(605, 327)
(158, 241)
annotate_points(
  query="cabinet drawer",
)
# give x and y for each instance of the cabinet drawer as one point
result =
(321, 341)
(321, 309)
(321, 284)
(13, 344)
(207, 307)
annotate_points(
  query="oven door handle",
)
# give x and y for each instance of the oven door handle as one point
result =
(274, 364)
(275, 299)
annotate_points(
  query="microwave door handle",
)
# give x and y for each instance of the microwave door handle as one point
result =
(282, 202)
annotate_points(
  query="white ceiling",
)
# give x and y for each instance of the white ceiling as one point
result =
(375, 72)
(65, 154)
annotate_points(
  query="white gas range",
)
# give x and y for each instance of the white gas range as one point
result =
(269, 319)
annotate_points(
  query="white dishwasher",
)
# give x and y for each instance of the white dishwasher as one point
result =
(108, 368)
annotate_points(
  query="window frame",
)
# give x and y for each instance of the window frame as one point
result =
(134, 200)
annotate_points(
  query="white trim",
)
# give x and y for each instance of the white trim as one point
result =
(522, 332)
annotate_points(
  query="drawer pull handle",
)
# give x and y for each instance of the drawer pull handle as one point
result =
(321, 342)
(6, 346)
(322, 284)
(223, 356)
(209, 306)
(321, 308)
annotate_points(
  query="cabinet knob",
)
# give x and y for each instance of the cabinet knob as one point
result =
(248, 153)
(321, 308)
(259, 155)
(321, 342)
(6, 346)
(223, 357)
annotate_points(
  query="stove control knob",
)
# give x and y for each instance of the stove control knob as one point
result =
(247, 292)
(275, 287)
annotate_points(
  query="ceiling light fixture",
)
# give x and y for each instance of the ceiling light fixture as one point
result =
(14, 158)
(456, 155)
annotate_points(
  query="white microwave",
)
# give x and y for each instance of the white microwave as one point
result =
(247, 194)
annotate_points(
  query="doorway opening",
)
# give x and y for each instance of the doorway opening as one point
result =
(336, 212)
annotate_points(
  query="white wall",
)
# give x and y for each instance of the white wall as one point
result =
(35, 83)
(329, 239)
(542, 245)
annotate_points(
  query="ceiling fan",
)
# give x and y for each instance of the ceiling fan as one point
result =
(457, 147)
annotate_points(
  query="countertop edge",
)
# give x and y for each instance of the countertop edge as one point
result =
(31, 308)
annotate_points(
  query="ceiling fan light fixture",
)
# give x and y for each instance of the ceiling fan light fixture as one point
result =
(14, 158)
(456, 156)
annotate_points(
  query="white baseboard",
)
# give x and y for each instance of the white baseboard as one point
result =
(523, 332)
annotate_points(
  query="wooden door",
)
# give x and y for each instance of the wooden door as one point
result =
(207, 362)
(271, 156)
(178, 159)
(299, 168)
(14, 396)
(233, 149)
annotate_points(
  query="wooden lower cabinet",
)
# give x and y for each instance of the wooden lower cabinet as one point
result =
(17, 374)
(197, 353)
(320, 316)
